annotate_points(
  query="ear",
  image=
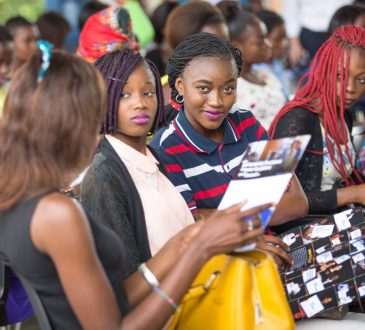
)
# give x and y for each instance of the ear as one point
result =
(179, 85)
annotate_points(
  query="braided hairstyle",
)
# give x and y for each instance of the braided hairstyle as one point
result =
(199, 45)
(317, 91)
(116, 67)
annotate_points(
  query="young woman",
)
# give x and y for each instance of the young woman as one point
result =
(320, 107)
(125, 185)
(203, 146)
(51, 121)
(258, 91)
(24, 36)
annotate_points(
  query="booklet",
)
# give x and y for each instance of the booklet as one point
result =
(329, 263)
(264, 173)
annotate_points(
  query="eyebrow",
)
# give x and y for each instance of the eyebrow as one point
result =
(210, 82)
(147, 82)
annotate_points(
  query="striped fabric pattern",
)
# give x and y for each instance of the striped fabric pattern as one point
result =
(200, 168)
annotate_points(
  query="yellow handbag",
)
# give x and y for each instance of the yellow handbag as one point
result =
(235, 292)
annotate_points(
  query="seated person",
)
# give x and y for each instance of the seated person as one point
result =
(336, 80)
(203, 146)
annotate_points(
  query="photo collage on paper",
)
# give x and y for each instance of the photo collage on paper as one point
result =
(329, 263)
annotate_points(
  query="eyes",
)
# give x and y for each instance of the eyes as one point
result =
(148, 93)
(359, 80)
(206, 89)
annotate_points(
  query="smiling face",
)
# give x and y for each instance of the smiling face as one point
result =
(208, 85)
(355, 87)
(137, 106)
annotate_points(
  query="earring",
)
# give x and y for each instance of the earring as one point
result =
(179, 98)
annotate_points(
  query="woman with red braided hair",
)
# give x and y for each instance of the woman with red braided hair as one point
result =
(320, 107)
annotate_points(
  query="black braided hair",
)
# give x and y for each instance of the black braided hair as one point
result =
(238, 20)
(199, 45)
(115, 68)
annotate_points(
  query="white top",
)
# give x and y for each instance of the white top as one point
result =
(263, 100)
(165, 210)
(330, 175)
(314, 15)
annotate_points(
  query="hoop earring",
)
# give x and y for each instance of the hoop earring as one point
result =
(179, 98)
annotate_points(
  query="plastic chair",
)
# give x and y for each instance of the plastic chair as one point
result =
(37, 305)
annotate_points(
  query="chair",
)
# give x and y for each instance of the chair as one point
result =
(3, 294)
(37, 305)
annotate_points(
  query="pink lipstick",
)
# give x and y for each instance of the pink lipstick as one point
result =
(141, 119)
(213, 115)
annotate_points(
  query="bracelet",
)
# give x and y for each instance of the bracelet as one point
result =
(166, 297)
(148, 275)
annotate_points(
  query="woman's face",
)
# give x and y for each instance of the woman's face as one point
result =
(24, 43)
(253, 45)
(208, 85)
(355, 86)
(277, 38)
(138, 104)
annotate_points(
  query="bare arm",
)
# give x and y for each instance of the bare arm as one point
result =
(352, 194)
(60, 229)
(136, 287)
(293, 204)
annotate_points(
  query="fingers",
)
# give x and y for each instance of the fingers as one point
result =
(275, 251)
(276, 241)
(255, 210)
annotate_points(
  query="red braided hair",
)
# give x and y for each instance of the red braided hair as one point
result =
(316, 92)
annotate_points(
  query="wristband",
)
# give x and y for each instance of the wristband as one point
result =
(148, 275)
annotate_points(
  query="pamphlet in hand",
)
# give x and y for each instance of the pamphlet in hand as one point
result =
(264, 174)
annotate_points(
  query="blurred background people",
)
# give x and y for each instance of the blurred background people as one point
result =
(258, 91)
(53, 28)
(24, 35)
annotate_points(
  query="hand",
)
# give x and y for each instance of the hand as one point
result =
(226, 230)
(277, 248)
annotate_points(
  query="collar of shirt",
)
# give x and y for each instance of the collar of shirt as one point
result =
(197, 141)
(146, 163)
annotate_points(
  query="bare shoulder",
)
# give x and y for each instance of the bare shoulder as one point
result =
(57, 217)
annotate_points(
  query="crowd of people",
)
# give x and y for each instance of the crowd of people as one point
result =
(146, 126)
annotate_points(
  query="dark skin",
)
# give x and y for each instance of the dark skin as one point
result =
(59, 229)
(139, 98)
(208, 85)
(254, 48)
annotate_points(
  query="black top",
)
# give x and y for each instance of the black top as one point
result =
(309, 170)
(110, 195)
(18, 249)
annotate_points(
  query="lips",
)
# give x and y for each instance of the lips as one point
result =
(141, 119)
(213, 114)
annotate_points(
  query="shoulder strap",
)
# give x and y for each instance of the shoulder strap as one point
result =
(135, 208)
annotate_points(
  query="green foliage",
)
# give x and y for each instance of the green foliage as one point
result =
(30, 9)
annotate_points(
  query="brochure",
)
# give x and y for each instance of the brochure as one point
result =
(264, 173)
(329, 263)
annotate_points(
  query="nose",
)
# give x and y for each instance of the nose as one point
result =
(139, 101)
(350, 88)
(215, 99)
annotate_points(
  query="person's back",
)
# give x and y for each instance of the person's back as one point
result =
(16, 246)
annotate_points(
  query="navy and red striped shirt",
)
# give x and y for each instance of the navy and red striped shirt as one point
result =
(200, 168)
